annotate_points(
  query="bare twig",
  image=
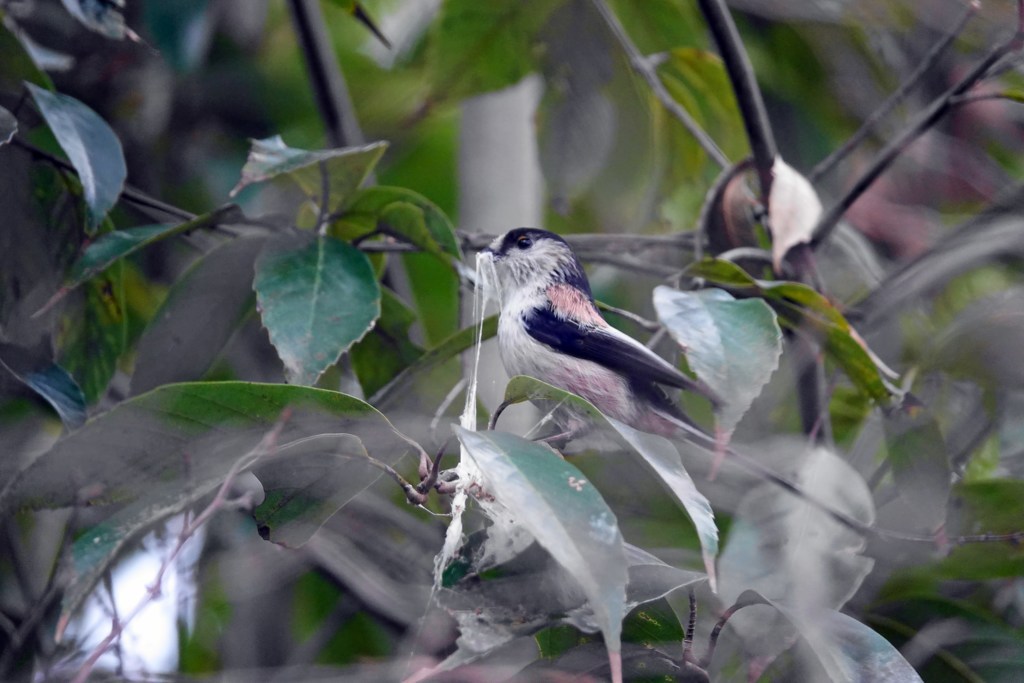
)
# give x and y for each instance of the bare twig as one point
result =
(649, 325)
(723, 620)
(642, 65)
(929, 60)
(329, 89)
(924, 121)
(748, 95)
(691, 625)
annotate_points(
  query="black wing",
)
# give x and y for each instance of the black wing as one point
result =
(605, 347)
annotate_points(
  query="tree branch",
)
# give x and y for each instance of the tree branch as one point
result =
(329, 89)
(642, 65)
(748, 95)
(924, 121)
(830, 162)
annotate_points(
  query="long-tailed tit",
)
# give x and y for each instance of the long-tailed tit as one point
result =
(551, 329)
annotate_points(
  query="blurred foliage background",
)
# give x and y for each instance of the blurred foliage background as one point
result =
(499, 114)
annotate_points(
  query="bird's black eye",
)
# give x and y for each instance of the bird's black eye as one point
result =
(524, 242)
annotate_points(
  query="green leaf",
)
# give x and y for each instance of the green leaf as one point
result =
(387, 350)
(483, 46)
(461, 341)
(182, 435)
(94, 334)
(110, 247)
(49, 380)
(847, 649)
(317, 296)
(18, 64)
(657, 452)
(91, 146)
(985, 507)
(920, 466)
(565, 514)
(407, 215)
(799, 305)
(216, 289)
(307, 482)
(733, 346)
(346, 168)
(787, 550)
(105, 17)
(8, 126)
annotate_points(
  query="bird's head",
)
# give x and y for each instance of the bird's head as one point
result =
(530, 260)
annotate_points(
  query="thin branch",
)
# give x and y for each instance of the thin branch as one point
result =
(929, 60)
(925, 121)
(748, 95)
(329, 89)
(649, 325)
(643, 66)
(723, 620)
(691, 625)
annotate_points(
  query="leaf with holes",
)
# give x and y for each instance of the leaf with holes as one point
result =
(317, 296)
(732, 346)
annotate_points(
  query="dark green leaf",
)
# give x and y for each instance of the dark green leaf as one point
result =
(317, 296)
(308, 482)
(217, 290)
(181, 30)
(484, 46)
(563, 512)
(409, 216)
(94, 333)
(733, 346)
(387, 350)
(346, 168)
(985, 507)
(113, 246)
(47, 379)
(90, 144)
(187, 434)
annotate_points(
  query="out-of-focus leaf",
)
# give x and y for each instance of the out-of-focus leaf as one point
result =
(564, 512)
(732, 346)
(484, 46)
(181, 30)
(94, 333)
(317, 296)
(49, 380)
(200, 314)
(799, 305)
(657, 452)
(105, 17)
(8, 126)
(984, 341)
(450, 348)
(408, 215)
(387, 350)
(532, 591)
(113, 246)
(308, 482)
(18, 64)
(346, 168)
(91, 146)
(789, 551)
(847, 649)
(985, 507)
(920, 465)
(793, 210)
(187, 433)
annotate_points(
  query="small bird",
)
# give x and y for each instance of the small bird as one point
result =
(550, 329)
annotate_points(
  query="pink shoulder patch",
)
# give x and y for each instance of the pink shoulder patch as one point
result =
(574, 304)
